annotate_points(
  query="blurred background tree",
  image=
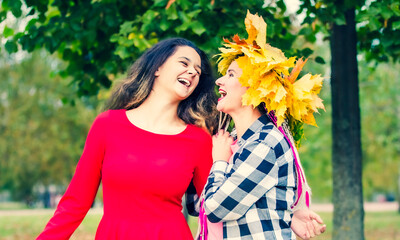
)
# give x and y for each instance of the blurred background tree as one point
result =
(41, 138)
(352, 26)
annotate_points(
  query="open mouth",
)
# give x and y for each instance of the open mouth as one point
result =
(222, 92)
(184, 82)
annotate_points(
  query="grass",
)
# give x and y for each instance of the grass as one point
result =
(12, 206)
(378, 226)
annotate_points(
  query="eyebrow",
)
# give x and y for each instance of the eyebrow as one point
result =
(231, 70)
(190, 61)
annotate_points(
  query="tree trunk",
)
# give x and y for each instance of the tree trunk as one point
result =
(348, 215)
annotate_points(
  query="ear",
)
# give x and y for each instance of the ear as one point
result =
(157, 73)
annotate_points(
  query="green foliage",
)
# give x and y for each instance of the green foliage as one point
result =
(378, 40)
(379, 31)
(99, 39)
(40, 138)
(379, 98)
(316, 149)
(378, 24)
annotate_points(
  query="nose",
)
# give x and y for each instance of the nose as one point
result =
(191, 70)
(218, 82)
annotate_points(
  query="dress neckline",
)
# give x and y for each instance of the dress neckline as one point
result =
(149, 132)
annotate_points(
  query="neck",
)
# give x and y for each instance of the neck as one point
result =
(157, 114)
(244, 118)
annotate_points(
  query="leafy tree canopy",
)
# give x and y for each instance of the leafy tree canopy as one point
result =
(378, 24)
(99, 39)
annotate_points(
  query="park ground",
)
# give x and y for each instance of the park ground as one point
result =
(382, 222)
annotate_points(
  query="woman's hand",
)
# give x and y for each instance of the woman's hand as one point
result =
(307, 224)
(222, 142)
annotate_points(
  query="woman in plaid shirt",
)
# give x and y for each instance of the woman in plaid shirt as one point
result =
(253, 190)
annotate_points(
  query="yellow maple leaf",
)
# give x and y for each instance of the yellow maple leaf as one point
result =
(256, 29)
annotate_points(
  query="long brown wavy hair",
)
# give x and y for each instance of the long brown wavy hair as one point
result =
(198, 109)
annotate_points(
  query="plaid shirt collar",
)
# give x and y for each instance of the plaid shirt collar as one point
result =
(254, 127)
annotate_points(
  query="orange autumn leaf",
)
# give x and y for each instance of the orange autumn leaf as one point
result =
(170, 2)
(271, 78)
(297, 69)
(238, 41)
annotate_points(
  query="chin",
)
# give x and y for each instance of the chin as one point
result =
(221, 109)
(185, 95)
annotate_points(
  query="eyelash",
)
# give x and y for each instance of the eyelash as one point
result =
(185, 64)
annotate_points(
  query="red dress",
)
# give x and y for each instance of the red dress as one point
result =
(144, 176)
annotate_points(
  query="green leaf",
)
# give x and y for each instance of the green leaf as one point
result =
(340, 20)
(387, 13)
(319, 60)
(11, 46)
(395, 8)
(7, 32)
(172, 13)
(396, 25)
(198, 27)
(183, 27)
(194, 13)
(164, 24)
(115, 37)
(149, 16)
(14, 5)
(306, 52)
(122, 52)
(160, 3)
(311, 38)
(126, 28)
(185, 4)
(305, 31)
(374, 24)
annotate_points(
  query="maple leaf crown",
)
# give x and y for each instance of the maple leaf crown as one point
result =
(267, 77)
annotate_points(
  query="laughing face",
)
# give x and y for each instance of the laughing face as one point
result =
(230, 89)
(179, 74)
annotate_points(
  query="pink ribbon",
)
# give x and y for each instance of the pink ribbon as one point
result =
(203, 222)
(300, 174)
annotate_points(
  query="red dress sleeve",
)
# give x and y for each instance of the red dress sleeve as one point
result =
(82, 189)
(204, 164)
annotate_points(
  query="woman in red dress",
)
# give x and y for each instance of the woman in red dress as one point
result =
(148, 149)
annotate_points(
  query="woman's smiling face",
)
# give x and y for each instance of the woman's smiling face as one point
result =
(180, 73)
(230, 89)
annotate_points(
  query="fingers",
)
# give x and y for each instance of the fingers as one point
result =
(316, 217)
(317, 228)
(318, 223)
(223, 135)
(306, 235)
(310, 229)
(222, 142)
(221, 132)
(323, 228)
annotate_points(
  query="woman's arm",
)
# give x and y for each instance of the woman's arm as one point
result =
(82, 189)
(230, 195)
(200, 174)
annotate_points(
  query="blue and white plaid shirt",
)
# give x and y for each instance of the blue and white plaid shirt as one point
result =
(253, 195)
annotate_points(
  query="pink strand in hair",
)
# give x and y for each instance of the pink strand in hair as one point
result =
(300, 174)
